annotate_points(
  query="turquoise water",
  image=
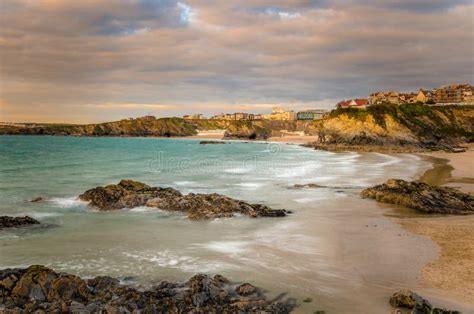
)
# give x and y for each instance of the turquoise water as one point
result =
(334, 242)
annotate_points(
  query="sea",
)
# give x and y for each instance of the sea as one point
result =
(337, 252)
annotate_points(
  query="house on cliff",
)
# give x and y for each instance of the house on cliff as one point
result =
(354, 103)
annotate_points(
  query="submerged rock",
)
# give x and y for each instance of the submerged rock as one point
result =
(211, 142)
(38, 288)
(246, 289)
(307, 185)
(422, 197)
(129, 194)
(13, 222)
(37, 199)
(409, 300)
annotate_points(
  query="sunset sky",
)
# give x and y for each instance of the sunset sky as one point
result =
(102, 60)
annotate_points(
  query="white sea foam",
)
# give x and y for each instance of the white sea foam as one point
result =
(250, 185)
(4, 235)
(141, 209)
(43, 215)
(66, 202)
(162, 258)
(237, 170)
(230, 247)
(172, 260)
(387, 160)
(306, 199)
(185, 183)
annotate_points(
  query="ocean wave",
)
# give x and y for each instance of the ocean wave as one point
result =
(306, 199)
(250, 185)
(185, 183)
(388, 160)
(237, 170)
(163, 258)
(66, 202)
(4, 235)
(141, 209)
(229, 247)
(185, 263)
(43, 215)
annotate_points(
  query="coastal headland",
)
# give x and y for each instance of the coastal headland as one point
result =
(382, 127)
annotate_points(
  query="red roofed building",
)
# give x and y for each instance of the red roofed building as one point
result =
(354, 103)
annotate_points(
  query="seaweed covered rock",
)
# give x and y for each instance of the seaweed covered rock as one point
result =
(422, 197)
(407, 299)
(14, 222)
(40, 289)
(129, 194)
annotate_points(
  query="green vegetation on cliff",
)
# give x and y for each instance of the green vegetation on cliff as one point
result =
(147, 126)
(422, 121)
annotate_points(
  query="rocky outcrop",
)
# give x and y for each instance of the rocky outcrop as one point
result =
(392, 128)
(40, 289)
(15, 222)
(129, 194)
(407, 299)
(422, 197)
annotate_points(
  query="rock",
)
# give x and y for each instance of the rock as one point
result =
(211, 142)
(444, 311)
(42, 290)
(308, 185)
(128, 194)
(37, 199)
(422, 197)
(246, 289)
(410, 300)
(14, 222)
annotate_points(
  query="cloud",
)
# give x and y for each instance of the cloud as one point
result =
(134, 106)
(69, 58)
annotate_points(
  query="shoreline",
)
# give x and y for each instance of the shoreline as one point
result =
(451, 274)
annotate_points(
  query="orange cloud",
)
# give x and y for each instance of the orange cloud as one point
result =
(133, 106)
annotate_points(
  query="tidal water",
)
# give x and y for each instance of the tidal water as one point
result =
(341, 251)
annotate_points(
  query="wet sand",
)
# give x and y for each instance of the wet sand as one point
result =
(452, 273)
(290, 139)
(294, 139)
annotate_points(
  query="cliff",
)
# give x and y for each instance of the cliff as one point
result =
(411, 127)
(164, 127)
(132, 127)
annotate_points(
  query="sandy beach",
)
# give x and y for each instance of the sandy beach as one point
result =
(289, 139)
(452, 272)
(294, 139)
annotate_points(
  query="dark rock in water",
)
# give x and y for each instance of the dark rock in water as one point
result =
(37, 199)
(13, 222)
(246, 289)
(211, 142)
(422, 197)
(40, 289)
(129, 194)
(410, 300)
(308, 185)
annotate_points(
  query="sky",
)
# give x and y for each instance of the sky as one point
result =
(102, 60)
